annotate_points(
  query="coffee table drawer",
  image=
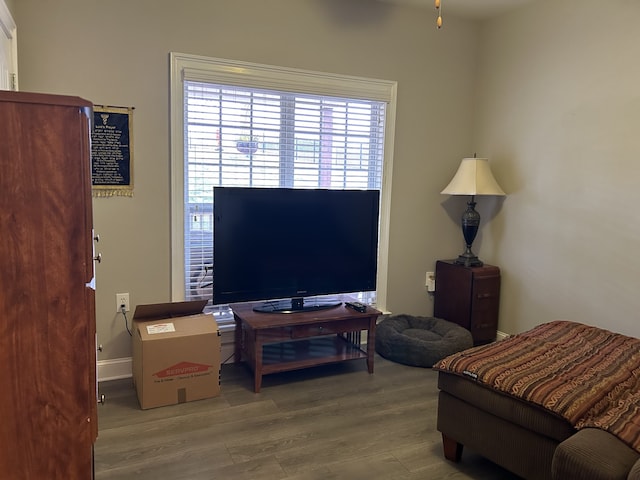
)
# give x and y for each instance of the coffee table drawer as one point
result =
(316, 329)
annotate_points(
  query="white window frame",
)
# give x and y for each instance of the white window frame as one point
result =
(221, 71)
(8, 49)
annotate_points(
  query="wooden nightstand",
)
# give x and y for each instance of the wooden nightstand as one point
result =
(470, 297)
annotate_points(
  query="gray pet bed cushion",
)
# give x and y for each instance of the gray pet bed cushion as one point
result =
(420, 341)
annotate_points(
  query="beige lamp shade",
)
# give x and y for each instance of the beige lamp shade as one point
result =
(473, 177)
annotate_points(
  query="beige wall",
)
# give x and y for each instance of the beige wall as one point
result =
(559, 115)
(555, 105)
(116, 53)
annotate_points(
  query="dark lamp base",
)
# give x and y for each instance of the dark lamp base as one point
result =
(470, 224)
(468, 260)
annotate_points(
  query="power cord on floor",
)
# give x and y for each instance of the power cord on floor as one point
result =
(123, 309)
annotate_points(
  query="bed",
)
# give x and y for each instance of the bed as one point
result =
(560, 401)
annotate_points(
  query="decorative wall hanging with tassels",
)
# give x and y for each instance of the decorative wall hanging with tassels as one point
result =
(112, 151)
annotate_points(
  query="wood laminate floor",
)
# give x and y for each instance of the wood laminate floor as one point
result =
(324, 423)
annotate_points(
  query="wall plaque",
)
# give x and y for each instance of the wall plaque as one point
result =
(112, 151)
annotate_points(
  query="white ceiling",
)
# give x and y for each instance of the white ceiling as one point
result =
(468, 8)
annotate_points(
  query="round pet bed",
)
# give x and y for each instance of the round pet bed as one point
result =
(420, 341)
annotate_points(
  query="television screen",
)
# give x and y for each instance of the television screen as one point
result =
(280, 243)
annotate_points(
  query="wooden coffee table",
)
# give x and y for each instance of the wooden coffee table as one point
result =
(279, 342)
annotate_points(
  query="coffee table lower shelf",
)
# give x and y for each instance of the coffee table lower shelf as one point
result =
(297, 354)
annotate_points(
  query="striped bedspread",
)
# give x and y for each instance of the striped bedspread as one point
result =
(587, 375)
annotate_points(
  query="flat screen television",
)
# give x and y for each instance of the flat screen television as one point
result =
(282, 246)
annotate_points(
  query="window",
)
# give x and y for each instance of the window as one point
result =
(240, 124)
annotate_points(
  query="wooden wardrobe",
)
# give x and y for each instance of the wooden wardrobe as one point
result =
(48, 419)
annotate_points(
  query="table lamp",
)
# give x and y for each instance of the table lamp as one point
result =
(473, 178)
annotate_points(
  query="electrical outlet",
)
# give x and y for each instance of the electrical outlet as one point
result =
(430, 282)
(122, 299)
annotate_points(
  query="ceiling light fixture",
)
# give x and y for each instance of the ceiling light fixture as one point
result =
(439, 9)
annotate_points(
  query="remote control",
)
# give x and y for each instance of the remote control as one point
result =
(357, 306)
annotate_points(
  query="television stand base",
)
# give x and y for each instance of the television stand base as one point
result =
(296, 305)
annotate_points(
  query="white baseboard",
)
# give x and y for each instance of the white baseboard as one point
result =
(114, 369)
(501, 335)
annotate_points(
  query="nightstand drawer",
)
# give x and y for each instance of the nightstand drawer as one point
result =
(486, 287)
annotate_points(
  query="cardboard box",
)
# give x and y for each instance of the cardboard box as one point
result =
(176, 353)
